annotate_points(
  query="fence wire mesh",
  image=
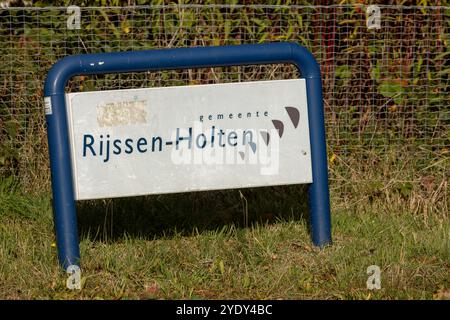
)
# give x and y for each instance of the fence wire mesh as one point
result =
(385, 69)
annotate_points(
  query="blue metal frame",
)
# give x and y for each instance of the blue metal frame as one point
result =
(181, 58)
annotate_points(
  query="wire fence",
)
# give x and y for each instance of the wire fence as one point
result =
(385, 68)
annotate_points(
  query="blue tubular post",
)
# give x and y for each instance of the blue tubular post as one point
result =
(319, 198)
(180, 58)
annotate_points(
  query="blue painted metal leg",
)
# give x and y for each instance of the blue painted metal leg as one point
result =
(63, 194)
(319, 199)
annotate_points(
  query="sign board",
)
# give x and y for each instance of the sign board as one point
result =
(189, 138)
(161, 140)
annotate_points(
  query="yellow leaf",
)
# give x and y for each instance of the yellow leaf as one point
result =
(332, 158)
(221, 267)
(392, 108)
(125, 27)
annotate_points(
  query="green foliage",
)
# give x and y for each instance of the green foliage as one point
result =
(380, 87)
(9, 153)
(14, 204)
(392, 89)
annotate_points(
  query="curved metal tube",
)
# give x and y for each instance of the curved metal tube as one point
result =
(180, 58)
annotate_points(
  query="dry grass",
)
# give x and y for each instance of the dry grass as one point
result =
(195, 246)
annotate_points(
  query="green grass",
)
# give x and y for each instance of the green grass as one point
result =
(201, 246)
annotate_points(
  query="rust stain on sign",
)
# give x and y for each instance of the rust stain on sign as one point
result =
(121, 113)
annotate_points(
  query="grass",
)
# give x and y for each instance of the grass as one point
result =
(201, 246)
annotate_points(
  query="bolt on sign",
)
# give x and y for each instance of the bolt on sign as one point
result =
(121, 143)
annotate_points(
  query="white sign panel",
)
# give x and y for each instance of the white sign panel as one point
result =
(189, 138)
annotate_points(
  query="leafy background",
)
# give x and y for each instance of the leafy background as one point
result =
(384, 89)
